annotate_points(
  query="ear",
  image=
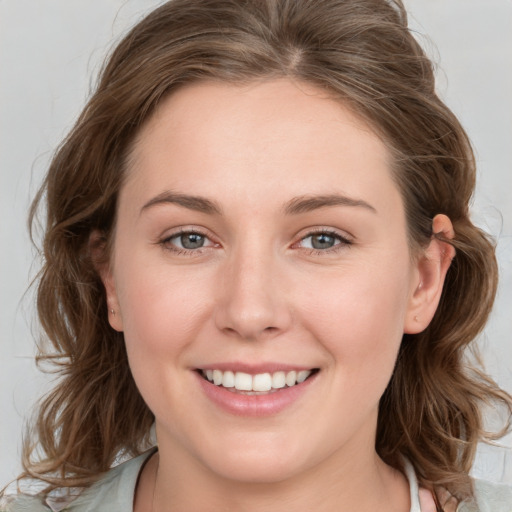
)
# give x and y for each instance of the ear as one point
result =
(101, 262)
(431, 268)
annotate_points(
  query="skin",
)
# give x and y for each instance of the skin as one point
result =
(257, 292)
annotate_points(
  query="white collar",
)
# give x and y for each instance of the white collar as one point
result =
(413, 485)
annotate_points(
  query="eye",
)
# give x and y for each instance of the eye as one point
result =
(323, 241)
(187, 241)
(320, 241)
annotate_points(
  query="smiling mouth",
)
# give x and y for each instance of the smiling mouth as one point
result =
(261, 383)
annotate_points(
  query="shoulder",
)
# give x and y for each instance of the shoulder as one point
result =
(489, 497)
(23, 503)
(114, 492)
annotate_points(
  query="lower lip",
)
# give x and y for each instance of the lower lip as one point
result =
(254, 405)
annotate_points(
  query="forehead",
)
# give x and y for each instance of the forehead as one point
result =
(220, 137)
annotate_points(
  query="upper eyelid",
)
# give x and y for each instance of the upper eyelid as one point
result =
(165, 242)
(184, 230)
(334, 234)
(345, 240)
(344, 235)
(188, 232)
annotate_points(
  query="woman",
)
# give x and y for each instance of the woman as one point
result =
(258, 240)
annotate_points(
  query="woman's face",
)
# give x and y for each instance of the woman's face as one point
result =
(260, 233)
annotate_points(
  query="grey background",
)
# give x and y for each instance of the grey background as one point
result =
(51, 49)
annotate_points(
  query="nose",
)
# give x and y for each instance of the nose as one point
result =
(252, 303)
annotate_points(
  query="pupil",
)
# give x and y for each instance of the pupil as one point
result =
(192, 241)
(322, 241)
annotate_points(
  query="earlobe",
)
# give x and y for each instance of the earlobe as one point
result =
(114, 312)
(431, 269)
(101, 262)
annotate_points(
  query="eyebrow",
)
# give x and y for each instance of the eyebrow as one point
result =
(308, 203)
(197, 203)
(295, 206)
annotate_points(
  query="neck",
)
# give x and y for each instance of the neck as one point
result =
(363, 483)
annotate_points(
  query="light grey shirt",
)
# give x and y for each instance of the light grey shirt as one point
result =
(115, 492)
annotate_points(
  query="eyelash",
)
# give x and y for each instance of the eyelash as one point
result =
(343, 242)
(166, 244)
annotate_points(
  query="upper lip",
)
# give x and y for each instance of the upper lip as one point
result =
(254, 369)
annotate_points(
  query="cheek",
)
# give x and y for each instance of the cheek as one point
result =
(359, 315)
(161, 311)
(161, 319)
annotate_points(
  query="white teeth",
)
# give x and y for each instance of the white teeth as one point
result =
(278, 380)
(260, 382)
(243, 381)
(217, 377)
(228, 380)
(291, 378)
(302, 376)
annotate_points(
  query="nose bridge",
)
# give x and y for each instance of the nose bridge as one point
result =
(252, 302)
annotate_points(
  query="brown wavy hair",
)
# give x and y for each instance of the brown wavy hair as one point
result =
(362, 54)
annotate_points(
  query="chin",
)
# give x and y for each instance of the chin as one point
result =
(257, 465)
(259, 473)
